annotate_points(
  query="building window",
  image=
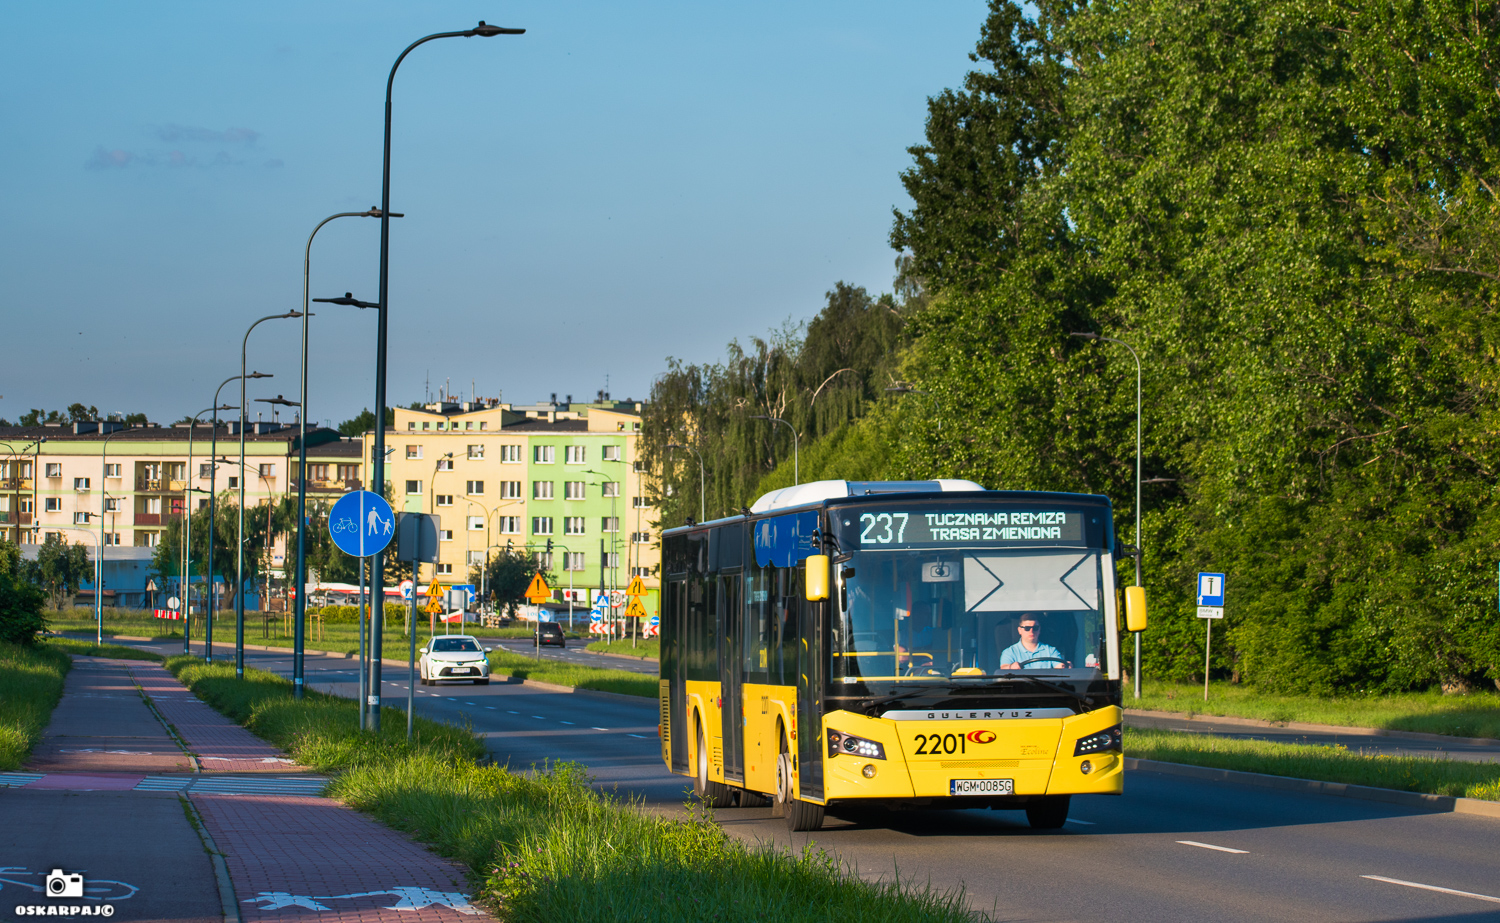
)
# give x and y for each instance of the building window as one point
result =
(52, 504)
(573, 560)
(611, 488)
(80, 483)
(111, 538)
(577, 454)
(442, 425)
(476, 523)
(445, 535)
(317, 472)
(474, 488)
(202, 503)
(476, 451)
(111, 470)
(639, 503)
(81, 519)
(610, 524)
(111, 504)
(544, 454)
(150, 539)
(153, 506)
(206, 469)
(640, 572)
(445, 464)
(268, 471)
(413, 451)
(611, 453)
(348, 472)
(638, 466)
(572, 525)
(510, 490)
(640, 538)
(510, 453)
(483, 425)
(543, 560)
(414, 487)
(51, 536)
(541, 490)
(611, 559)
(476, 558)
(54, 469)
(427, 424)
(411, 425)
(444, 499)
(541, 525)
(444, 570)
(573, 490)
(234, 483)
(510, 525)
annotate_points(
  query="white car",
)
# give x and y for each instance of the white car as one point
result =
(454, 657)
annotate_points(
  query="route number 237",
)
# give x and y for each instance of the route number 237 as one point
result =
(883, 528)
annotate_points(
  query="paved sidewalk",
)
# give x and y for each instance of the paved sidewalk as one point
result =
(114, 812)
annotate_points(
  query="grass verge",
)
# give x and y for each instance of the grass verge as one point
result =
(546, 846)
(1474, 715)
(1454, 778)
(31, 683)
(82, 648)
(506, 663)
(645, 648)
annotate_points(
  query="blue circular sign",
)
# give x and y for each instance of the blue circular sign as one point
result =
(361, 523)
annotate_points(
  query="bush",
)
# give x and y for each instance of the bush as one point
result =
(21, 618)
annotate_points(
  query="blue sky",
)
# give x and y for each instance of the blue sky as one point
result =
(624, 183)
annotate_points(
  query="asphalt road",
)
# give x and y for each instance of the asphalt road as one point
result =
(1170, 849)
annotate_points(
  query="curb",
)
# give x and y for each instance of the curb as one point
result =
(228, 903)
(1315, 728)
(1441, 804)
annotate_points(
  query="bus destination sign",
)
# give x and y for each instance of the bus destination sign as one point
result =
(940, 528)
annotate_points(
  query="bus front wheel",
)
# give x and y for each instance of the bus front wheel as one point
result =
(713, 794)
(800, 815)
(1048, 813)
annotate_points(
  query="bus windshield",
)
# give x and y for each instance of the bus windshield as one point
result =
(955, 612)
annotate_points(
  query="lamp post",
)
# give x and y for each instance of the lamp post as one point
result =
(702, 483)
(239, 567)
(99, 569)
(187, 521)
(16, 477)
(796, 467)
(1139, 545)
(99, 556)
(300, 613)
(213, 498)
(483, 30)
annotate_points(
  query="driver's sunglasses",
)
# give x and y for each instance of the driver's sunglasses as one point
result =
(1030, 627)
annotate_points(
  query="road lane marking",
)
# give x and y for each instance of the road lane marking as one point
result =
(1086, 823)
(601, 729)
(512, 713)
(1417, 884)
(641, 736)
(567, 722)
(489, 708)
(1242, 852)
(539, 717)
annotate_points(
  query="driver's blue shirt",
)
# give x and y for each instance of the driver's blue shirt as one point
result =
(1017, 653)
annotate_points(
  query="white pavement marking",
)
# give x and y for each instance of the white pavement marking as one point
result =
(567, 722)
(512, 712)
(1086, 823)
(601, 729)
(1415, 884)
(641, 736)
(1242, 852)
(539, 717)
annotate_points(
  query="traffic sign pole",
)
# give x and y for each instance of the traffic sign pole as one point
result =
(1210, 607)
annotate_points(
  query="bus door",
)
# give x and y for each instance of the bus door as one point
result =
(809, 692)
(731, 675)
(674, 670)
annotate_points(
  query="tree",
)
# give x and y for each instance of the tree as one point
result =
(61, 568)
(510, 572)
(364, 422)
(21, 616)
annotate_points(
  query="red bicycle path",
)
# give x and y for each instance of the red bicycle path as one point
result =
(106, 777)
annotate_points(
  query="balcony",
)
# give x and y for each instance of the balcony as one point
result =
(15, 484)
(330, 485)
(155, 519)
(150, 484)
(9, 518)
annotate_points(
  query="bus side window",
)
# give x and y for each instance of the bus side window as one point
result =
(791, 603)
(757, 624)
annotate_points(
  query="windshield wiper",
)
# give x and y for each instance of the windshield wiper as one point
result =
(1082, 700)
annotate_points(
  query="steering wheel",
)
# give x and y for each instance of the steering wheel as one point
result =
(912, 666)
(1026, 663)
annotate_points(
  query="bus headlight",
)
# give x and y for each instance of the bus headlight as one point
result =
(839, 742)
(1103, 742)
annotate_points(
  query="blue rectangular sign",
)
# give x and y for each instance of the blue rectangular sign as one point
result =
(1210, 589)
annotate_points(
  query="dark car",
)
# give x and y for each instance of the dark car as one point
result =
(550, 633)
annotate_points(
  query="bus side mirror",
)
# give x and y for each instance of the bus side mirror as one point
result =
(1135, 608)
(817, 577)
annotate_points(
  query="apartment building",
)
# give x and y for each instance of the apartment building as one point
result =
(500, 475)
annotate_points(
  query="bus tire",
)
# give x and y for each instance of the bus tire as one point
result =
(749, 799)
(800, 815)
(713, 794)
(1048, 813)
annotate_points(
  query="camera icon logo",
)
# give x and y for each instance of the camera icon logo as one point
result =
(61, 884)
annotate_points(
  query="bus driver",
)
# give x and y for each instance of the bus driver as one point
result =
(1031, 648)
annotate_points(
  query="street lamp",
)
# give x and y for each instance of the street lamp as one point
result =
(213, 498)
(99, 570)
(483, 30)
(187, 525)
(300, 612)
(796, 469)
(239, 567)
(702, 483)
(1139, 544)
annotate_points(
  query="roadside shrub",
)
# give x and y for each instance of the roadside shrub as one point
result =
(21, 618)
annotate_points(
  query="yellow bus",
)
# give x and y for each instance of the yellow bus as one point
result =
(915, 643)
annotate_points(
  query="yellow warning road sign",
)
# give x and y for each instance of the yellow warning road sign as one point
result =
(538, 592)
(434, 598)
(636, 588)
(435, 589)
(635, 610)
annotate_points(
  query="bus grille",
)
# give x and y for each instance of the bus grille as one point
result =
(980, 764)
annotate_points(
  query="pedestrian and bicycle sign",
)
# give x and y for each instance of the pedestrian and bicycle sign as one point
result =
(361, 523)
